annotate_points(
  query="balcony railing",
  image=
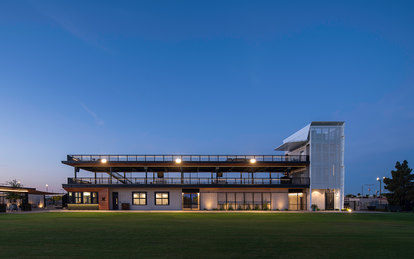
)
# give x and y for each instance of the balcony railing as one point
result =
(191, 181)
(188, 158)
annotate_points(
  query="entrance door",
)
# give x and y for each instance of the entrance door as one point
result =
(329, 201)
(190, 201)
(115, 201)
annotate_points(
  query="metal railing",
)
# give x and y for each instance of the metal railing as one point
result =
(195, 181)
(188, 158)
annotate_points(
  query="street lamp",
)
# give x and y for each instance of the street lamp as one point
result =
(47, 187)
(380, 181)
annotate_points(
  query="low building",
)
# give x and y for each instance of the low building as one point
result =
(31, 196)
(366, 203)
(311, 171)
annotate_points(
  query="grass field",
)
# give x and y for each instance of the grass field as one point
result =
(206, 235)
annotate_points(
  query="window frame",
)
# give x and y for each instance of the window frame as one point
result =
(155, 199)
(133, 199)
(78, 198)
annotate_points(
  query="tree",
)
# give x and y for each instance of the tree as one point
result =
(13, 196)
(401, 186)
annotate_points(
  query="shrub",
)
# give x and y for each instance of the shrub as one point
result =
(230, 207)
(239, 207)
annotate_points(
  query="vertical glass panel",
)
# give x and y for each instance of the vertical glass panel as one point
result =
(87, 197)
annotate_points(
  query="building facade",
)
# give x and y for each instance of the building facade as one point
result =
(310, 171)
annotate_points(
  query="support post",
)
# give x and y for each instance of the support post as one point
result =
(182, 177)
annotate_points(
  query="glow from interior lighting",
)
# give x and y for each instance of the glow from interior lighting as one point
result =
(252, 160)
(103, 160)
(178, 160)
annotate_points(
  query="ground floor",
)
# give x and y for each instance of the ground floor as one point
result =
(174, 198)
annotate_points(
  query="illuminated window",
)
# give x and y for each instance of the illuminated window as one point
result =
(297, 201)
(162, 198)
(87, 197)
(78, 197)
(139, 198)
(95, 198)
(83, 197)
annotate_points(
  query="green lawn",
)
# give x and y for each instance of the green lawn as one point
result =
(206, 235)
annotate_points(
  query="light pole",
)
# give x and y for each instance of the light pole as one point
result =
(380, 180)
(47, 187)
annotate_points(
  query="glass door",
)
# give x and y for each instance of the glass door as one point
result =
(115, 201)
(329, 201)
(190, 201)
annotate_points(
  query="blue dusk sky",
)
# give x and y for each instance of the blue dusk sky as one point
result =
(202, 77)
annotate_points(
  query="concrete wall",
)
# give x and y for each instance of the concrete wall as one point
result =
(208, 201)
(125, 196)
(318, 198)
(280, 201)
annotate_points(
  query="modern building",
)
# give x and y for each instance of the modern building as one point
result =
(310, 171)
(29, 196)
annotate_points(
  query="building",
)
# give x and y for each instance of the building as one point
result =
(28, 196)
(366, 203)
(311, 171)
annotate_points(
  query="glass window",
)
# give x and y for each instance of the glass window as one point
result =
(94, 197)
(83, 197)
(78, 197)
(87, 197)
(162, 198)
(139, 198)
(297, 201)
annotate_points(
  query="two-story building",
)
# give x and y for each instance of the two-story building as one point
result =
(311, 171)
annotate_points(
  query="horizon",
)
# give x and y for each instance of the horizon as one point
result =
(234, 77)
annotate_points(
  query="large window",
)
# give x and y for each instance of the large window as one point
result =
(139, 198)
(78, 197)
(87, 198)
(297, 201)
(83, 197)
(244, 200)
(162, 198)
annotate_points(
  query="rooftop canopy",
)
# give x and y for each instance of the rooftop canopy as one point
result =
(301, 137)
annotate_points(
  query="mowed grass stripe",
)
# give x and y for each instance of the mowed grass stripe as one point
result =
(206, 235)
